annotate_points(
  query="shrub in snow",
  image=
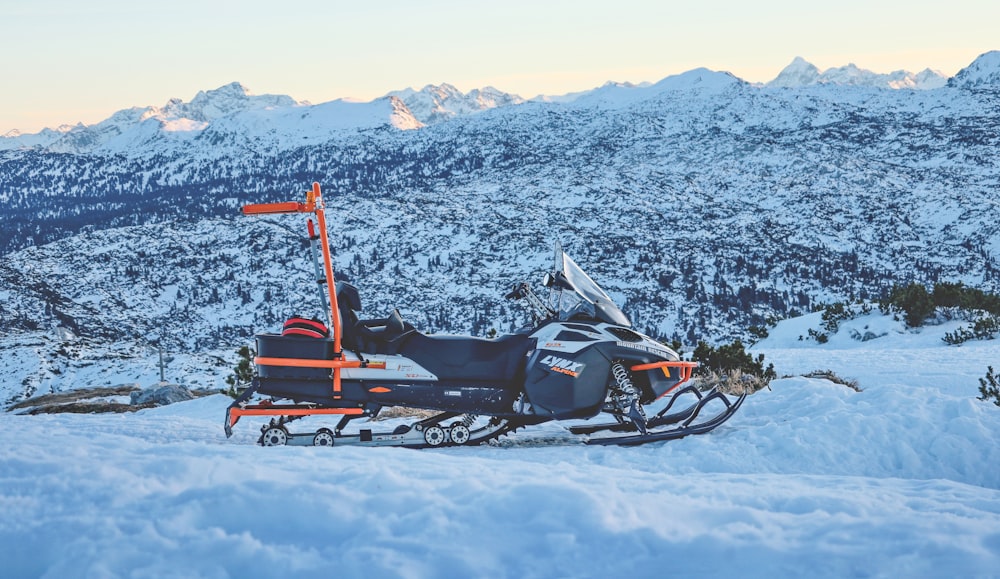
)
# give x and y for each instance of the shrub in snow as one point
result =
(835, 314)
(730, 381)
(917, 305)
(833, 377)
(957, 295)
(989, 387)
(242, 374)
(821, 337)
(982, 329)
(731, 368)
(914, 300)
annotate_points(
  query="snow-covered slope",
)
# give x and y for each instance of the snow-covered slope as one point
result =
(983, 73)
(810, 478)
(699, 83)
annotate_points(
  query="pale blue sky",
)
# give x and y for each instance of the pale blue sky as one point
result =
(67, 61)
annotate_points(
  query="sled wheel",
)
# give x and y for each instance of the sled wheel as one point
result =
(459, 433)
(434, 435)
(323, 438)
(274, 436)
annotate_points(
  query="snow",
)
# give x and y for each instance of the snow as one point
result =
(810, 478)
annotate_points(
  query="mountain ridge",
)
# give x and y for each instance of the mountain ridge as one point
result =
(801, 73)
(438, 103)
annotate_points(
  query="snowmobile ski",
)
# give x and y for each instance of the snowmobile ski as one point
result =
(684, 420)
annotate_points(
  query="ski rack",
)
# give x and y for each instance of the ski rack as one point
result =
(313, 204)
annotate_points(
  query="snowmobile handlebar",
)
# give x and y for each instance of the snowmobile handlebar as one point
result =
(519, 291)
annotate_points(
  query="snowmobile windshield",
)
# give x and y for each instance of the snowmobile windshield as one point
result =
(579, 296)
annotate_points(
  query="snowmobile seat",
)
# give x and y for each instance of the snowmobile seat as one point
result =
(378, 336)
(464, 358)
(348, 304)
(383, 336)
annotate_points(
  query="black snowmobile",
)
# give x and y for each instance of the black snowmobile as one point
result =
(580, 358)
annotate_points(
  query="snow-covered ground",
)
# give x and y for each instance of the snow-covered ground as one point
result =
(810, 479)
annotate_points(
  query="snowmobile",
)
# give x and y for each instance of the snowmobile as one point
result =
(580, 358)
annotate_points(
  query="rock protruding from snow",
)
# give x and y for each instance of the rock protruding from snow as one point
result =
(983, 73)
(802, 73)
(161, 395)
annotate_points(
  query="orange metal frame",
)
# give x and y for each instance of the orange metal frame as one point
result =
(685, 369)
(314, 204)
(235, 413)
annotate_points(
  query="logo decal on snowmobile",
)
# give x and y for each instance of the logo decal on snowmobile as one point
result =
(563, 366)
(644, 348)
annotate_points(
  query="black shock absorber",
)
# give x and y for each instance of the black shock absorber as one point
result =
(624, 391)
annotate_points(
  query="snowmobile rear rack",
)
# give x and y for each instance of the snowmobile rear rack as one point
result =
(314, 204)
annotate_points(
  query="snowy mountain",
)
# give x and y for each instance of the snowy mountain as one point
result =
(983, 73)
(570, 97)
(704, 204)
(700, 81)
(232, 114)
(43, 139)
(435, 104)
(219, 121)
(801, 73)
